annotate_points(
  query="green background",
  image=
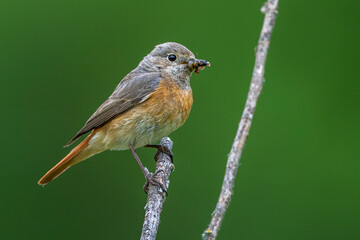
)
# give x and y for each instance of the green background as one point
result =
(299, 178)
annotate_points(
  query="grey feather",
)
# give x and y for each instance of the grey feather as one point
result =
(130, 92)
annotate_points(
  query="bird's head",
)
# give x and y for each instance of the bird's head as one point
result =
(174, 59)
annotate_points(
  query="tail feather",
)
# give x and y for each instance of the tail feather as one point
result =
(78, 154)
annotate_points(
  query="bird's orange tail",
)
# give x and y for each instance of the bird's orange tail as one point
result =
(78, 154)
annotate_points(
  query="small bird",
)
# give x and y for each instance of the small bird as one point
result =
(148, 104)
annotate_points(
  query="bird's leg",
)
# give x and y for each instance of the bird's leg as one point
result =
(150, 177)
(161, 149)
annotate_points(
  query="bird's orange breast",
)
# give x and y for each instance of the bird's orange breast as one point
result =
(162, 112)
(170, 102)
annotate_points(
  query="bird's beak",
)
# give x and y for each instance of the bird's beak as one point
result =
(197, 64)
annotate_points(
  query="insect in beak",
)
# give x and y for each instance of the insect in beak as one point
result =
(197, 65)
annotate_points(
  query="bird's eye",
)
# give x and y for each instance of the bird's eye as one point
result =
(172, 57)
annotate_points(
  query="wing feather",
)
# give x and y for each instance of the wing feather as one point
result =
(132, 90)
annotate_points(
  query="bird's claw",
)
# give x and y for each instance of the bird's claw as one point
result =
(162, 149)
(150, 178)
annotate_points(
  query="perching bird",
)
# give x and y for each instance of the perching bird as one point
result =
(149, 103)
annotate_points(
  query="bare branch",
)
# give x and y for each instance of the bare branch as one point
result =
(156, 196)
(270, 11)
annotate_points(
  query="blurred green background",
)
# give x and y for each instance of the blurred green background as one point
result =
(299, 178)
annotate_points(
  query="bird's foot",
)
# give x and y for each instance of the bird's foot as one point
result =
(162, 149)
(151, 178)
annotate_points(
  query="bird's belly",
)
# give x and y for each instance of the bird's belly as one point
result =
(138, 129)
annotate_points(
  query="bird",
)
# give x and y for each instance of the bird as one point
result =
(148, 104)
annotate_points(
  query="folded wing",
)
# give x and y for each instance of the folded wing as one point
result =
(132, 90)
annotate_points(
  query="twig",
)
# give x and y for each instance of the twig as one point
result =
(270, 11)
(156, 196)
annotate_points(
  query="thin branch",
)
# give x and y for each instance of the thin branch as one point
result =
(270, 11)
(156, 196)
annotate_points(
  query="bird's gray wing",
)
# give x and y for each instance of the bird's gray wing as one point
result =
(132, 90)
